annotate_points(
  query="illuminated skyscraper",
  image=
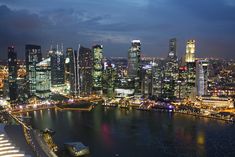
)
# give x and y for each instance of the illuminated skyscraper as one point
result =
(57, 68)
(172, 49)
(97, 70)
(202, 77)
(71, 70)
(190, 51)
(43, 78)
(33, 56)
(12, 77)
(134, 59)
(85, 64)
(134, 64)
(171, 72)
(69, 65)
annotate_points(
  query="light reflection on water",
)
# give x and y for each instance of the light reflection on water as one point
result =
(137, 133)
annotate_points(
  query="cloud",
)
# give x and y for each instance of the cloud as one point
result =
(116, 23)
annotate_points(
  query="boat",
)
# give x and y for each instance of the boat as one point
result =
(48, 131)
(76, 148)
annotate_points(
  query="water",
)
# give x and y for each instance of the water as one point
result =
(115, 132)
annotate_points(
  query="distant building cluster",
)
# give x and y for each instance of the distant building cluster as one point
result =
(84, 71)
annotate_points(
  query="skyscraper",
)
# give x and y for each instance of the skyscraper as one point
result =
(72, 70)
(202, 77)
(57, 68)
(69, 65)
(172, 49)
(171, 72)
(12, 77)
(190, 51)
(43, 78)
(97, 69)
(134, 59)
(33, 56)
(134, 64)
(191, 68)
(85, 67)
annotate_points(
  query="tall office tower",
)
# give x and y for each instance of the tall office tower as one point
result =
(57, 68)
(157, 80)
(181, 88)
(134, 64)
(134, 59)
(43, 78)
(146, 80)
(190, 51)
(97, 70)
(191, 68)
(170, 72)
(191, 80)
(202, 77)
(172, 49)
(85, 67)
(69, 65)
(12, 77)
(33, 56)
(109, 77)
(71, 70)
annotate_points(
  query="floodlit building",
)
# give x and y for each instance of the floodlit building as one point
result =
(134, 64)
(43, 78)
(33, 56)
(202, 77)
(57, 68)
(85, 70)
(190, 51)
(12, 77)
(97, 69)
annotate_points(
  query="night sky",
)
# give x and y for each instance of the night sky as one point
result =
(114, 23)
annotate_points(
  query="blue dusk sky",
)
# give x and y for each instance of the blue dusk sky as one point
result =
(114, 23)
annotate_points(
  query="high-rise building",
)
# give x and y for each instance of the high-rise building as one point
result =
(85, 70)
(12, 77)
(69, 65)
(202, 77)
(147, 80)
(33, 56)
(72, 71)
(190, 51)
(57, 68)
(109, 77)
(171, 72)
(43, 78)
(181, 87)
(97, 69)
(134, 64)
(157, 80)
(134, 59)
(172, 49)
(191, 80)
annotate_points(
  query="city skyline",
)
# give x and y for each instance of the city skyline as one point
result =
(153, 22)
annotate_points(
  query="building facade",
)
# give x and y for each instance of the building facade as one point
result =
(134, 64)
(202, 77)
(97, 68)
(12, 74)
(57, 68)
(85, 70)
(43, 78)
(190, 51)
(33, 56)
